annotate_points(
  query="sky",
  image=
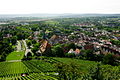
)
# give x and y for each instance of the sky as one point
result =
(59, 6)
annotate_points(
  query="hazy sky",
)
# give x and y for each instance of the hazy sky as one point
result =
(59, 6)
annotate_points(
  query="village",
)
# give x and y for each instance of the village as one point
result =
(85, 42)
(40, 49)
(85, 37)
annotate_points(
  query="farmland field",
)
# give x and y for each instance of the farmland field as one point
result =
(15, 55)
(34, 69)
(12, 69)
(45, 69)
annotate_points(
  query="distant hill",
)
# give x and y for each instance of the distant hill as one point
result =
(27, 15)
(88, 15)
(54, 15)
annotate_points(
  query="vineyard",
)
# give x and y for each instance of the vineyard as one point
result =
(44, 69)
(39, 66)
(34, 70)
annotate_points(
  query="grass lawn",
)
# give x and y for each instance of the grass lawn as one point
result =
(15, 55)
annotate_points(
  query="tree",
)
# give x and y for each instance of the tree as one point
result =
(88, 54)
(14, 40)
(104, 72)
(29, 43)
(29, 56)
(58, 51)
(109, 59)
(20, 36)
(68, 71)
(35, 49)
(34, 42)
(5, 49)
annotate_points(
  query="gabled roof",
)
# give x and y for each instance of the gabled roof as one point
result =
(44, 45)
(54, 37)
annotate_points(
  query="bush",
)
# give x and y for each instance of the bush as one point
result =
(70, 55)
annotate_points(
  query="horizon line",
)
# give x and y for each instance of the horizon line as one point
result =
(53, 13)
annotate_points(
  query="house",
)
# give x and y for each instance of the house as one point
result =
(54, 39)
(76, 52)
(45, 47)
(71, 51)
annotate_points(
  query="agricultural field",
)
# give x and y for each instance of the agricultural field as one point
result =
(12, 69)
(15, 55)
(34, 69)
(37, 69)
(45, 69)
(51, 22)
(39, 65)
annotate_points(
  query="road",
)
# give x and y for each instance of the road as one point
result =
(19, 51)
(19, 47)
(27, 50)
(14, 61)
(16, 56)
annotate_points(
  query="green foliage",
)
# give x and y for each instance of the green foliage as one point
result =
(34, 42)
(57, 51)
(88, 54)
(35, 48)
(70, 55)
(105, 72)
(29, 43)
(36, 45)
(104, 37)
(90, 70)
(13, 40)
(20, 36)
(68, 72)
(5, 49)
(109, 59)
(116, 42)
